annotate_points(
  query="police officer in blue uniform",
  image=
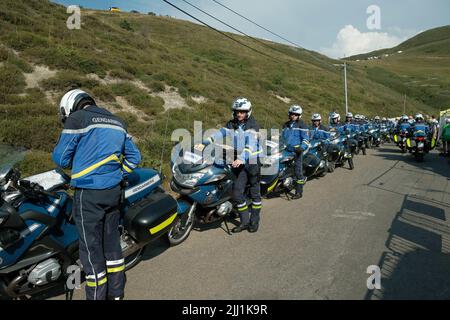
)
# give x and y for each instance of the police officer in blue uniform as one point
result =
(318, 131)
(244, 131)
(295, 135)
(96, 145)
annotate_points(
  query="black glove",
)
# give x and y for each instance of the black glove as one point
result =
(298, 150)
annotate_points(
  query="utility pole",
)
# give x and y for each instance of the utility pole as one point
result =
(346, 90)
(404, 104)
(345, 84)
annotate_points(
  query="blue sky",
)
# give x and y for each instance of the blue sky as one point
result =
(335, 28)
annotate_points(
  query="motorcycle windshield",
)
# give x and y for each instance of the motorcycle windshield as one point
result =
(9, 157)
(191, 167)
(191, 161)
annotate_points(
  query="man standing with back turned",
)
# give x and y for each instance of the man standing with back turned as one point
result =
(96, 145)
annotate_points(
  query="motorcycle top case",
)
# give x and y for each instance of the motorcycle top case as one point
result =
(152, 217)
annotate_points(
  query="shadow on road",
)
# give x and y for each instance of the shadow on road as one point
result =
(432, 163)
(417, 262)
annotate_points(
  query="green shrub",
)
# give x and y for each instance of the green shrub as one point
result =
(67, 58)
(124, 24)
(40, 132)
(67, 80)
(103, 93)
(35, 162)
(12, 81)
(4, 54)
(23, 40)
(121, 74)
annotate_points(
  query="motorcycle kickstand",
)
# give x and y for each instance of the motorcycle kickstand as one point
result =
(226, 226)
(289, 198)
(69, 293)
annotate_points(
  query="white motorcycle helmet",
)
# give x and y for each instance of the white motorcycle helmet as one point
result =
(73, 101)
(316, 117)
(242, 104)
(377, 118)
(335, 116)
(295, 109)
(348, 116)
(419, 117)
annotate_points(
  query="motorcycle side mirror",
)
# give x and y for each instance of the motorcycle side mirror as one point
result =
(6, 173)
(228, 171)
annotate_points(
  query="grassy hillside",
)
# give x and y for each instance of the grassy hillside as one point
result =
(422, 70)
(141, 66)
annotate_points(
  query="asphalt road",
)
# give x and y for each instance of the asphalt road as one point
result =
(390, 212)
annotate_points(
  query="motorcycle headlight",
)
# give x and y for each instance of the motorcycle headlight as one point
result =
(188, 179)
(216, 178)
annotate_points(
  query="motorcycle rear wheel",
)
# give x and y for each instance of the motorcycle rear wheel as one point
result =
(132, 260)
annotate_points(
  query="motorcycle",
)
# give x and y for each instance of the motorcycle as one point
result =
(400, 139)
(39, 239)
(280, 167)
(417, 144)
(375, 136)
(360, 139)
(203, 184)
(341, 149)
(315, 159)
(385, 134)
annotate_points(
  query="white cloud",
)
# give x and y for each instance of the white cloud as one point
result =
(350, 41)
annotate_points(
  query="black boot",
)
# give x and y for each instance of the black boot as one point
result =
(298, 192)
(240, 228)
(245, 219)
(253, 228)
(255, 216)
(297, 195)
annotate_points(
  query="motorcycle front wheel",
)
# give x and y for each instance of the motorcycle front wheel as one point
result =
(331, 166)
(351, 164)
(181, 228)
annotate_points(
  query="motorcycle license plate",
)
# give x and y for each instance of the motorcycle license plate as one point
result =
(420, 145)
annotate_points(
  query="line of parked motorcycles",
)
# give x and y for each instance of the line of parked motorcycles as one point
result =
(39, 240)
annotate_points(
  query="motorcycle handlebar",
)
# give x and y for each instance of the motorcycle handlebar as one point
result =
(36, 188)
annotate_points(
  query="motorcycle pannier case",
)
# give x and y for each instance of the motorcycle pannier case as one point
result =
(151, 217)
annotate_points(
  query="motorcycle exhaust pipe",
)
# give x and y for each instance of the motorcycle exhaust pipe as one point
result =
(14, 285)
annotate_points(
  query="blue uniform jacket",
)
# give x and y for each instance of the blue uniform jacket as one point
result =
(420, 129)
(295, 134)
(404, 126)
(96, 145)
(245, 138)
(351, 128)
(319, 133)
